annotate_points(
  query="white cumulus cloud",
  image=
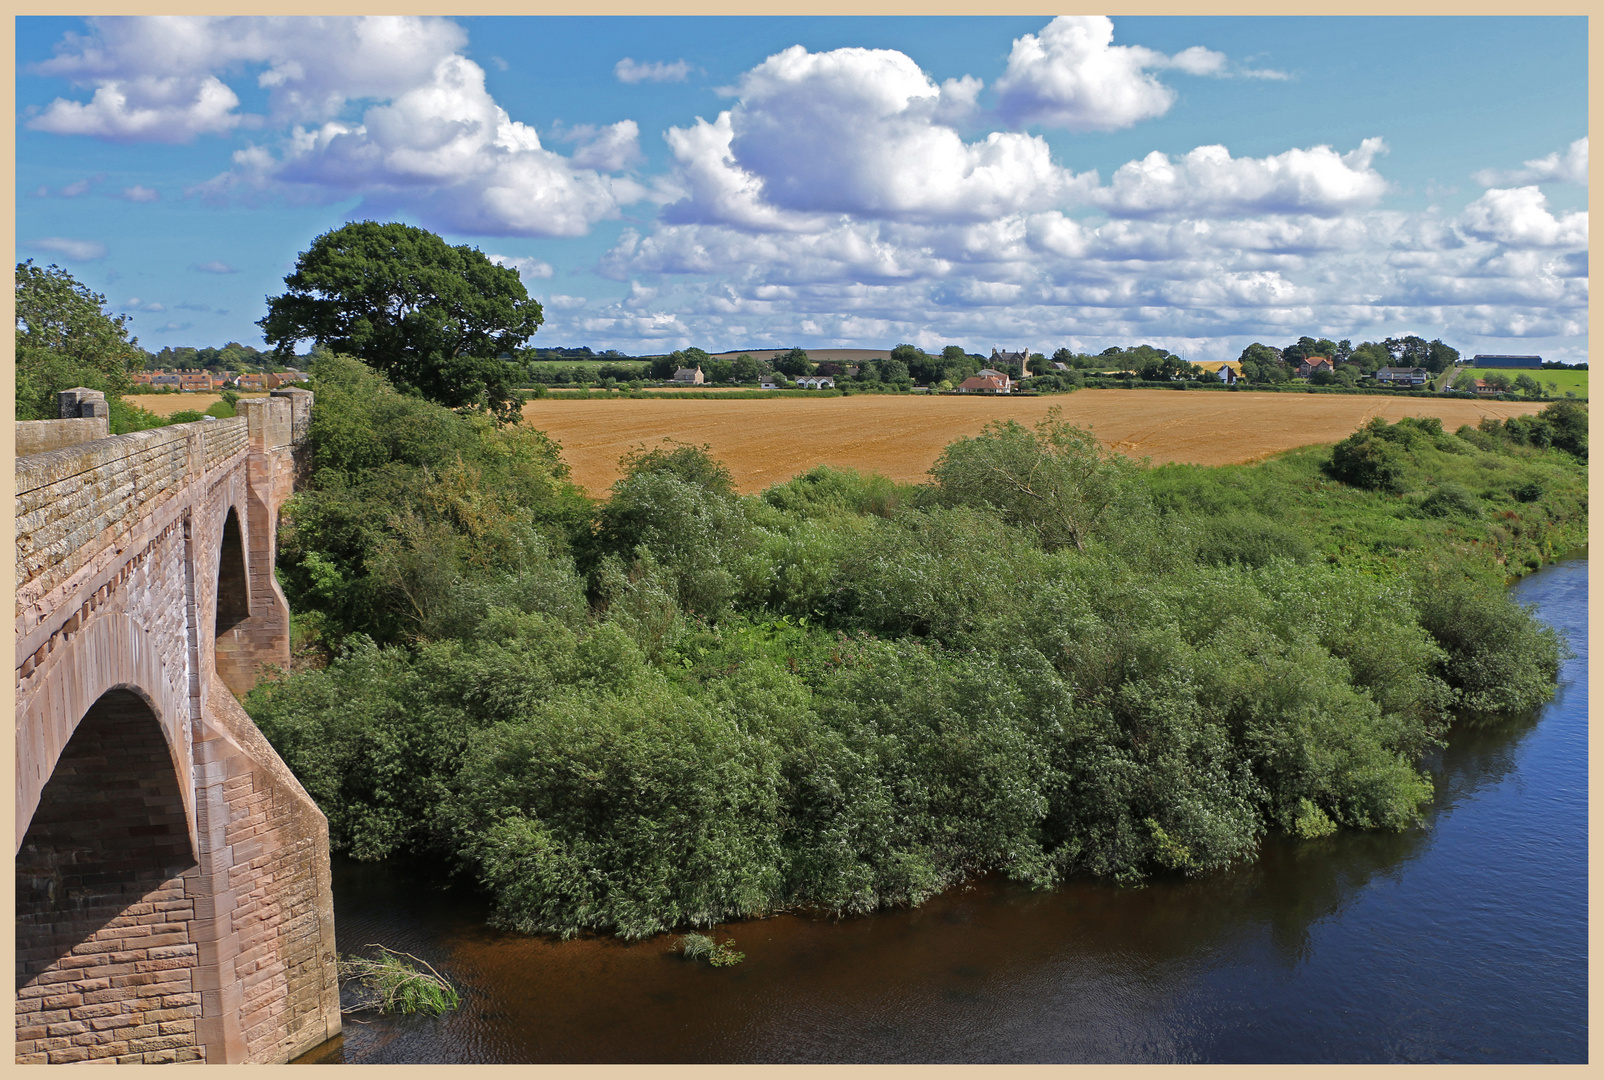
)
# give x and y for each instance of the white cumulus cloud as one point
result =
(139, 193)
(445, 149)
(855, 131)
(171, 109)
(1519, 217)
(156, 77)
(215, 266)
(1072, 75)
(611, 148)
(526, 267)
(1209, 180)
(430, 138)
(1569, 167)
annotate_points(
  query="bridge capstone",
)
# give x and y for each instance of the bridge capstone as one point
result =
(173, 899)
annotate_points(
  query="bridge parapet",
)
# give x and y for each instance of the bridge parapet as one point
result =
(193, 919)
(66, 499)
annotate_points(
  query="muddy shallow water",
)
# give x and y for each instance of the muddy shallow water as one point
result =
(1465, 941)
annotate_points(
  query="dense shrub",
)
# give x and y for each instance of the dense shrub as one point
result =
(692, 705)
(1377, 456)
(1247, 538)
(678, 505)
(1449, 499)
(1498, 658)
(413, 509)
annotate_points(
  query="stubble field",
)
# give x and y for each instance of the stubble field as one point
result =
(768, 440)
(168, 404)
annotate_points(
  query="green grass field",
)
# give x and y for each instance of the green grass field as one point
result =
(1574, 382)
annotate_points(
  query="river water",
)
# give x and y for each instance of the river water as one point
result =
(1465, 941)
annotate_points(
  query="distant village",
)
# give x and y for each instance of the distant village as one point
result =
(202, 379)
(1395, 364)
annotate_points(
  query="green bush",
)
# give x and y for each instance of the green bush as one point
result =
(1369, 459)
(413, 510)
(678, 505)
(1449, 499)
(1247, 538)
(1498, 657)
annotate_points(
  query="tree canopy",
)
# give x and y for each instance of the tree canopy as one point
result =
(437, 320)
(794, 362)
(65, 338)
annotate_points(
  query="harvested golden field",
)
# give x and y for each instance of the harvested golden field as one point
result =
(768, 440)
(168, 404)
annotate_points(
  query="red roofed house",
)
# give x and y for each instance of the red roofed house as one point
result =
(1311, 364)
(987, 381)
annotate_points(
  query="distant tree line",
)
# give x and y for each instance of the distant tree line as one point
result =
(1266, 364)
(583, 352)
(1500, 382)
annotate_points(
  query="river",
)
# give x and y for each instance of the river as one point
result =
(1464, 941)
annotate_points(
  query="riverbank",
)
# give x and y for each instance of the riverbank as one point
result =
(849, 694)
(1463, 941)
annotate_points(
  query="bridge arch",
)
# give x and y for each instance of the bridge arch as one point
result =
(113, 651)
(233, 588)
(106, 849)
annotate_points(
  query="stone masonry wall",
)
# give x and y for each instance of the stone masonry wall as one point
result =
(271, 976)
(42, 436)
(124, 630)
(229, 958)
(69, 501)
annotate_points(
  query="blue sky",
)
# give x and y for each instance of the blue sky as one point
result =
(1197, 183)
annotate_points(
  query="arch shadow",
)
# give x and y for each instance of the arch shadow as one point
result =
(109, 831)
(233, 580)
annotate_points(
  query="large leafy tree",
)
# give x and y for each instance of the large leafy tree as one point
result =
(65, 338)
(794, 363)
(437, 320)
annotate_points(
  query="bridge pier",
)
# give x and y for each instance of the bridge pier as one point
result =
(173, 878)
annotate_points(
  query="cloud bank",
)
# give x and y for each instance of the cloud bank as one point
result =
(848, 196)
(435, 143)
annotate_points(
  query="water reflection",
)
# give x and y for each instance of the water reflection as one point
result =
(1462, 941)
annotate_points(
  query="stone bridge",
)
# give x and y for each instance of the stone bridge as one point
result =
(173, 897)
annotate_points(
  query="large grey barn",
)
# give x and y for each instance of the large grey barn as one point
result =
(1500, 361)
